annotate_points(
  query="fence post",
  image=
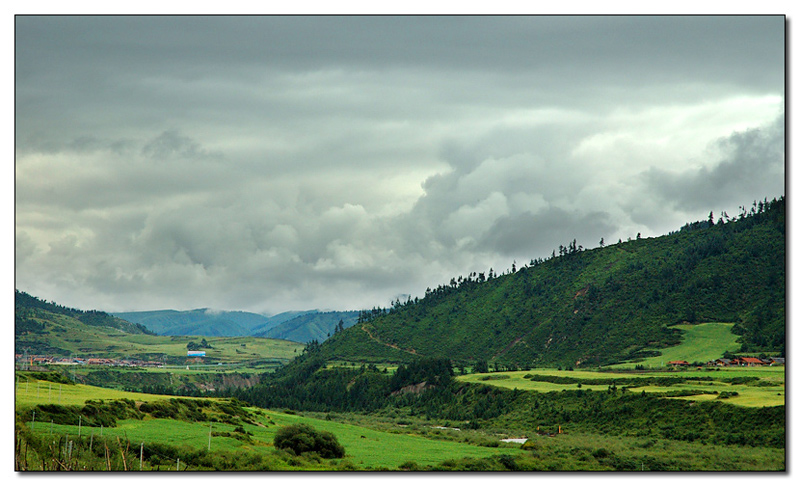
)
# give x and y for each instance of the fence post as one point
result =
(141, 455)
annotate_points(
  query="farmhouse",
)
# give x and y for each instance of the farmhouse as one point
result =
(678, 363)
(100, 361)
(750, 362)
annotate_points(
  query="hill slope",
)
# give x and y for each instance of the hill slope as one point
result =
(314, 326)
(27, 307)
(46, 328)
(594, 307)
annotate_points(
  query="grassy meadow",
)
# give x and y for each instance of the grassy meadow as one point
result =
(769, 390)
(366, 448)
(29, 392)
(701, 343)
(399, 443)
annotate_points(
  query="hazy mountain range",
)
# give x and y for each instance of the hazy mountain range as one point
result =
(300, 326)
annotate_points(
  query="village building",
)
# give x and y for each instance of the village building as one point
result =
(678, 363)
(750, 362)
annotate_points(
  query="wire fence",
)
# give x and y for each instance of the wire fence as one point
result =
(64, 450)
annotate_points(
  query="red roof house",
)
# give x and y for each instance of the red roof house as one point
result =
(678, 363)
(751, 362)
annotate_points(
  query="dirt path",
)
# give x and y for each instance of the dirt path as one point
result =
(410, 351)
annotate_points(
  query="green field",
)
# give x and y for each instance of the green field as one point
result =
(33, 392)
(701, 343)
(383, 443)
(769, 390)
(366, 448)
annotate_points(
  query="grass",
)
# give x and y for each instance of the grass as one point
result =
(701, 343)
(30, 393)
(366, 448)
(586, 451)
(79, 339)
(749, 395)
(389, 445)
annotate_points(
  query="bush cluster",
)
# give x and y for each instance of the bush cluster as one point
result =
(302, 438)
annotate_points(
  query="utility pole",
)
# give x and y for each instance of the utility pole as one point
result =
(209, 437)
(33, 421)
(141, 455)
(80, 419)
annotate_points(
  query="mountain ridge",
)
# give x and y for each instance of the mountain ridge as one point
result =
(206, 322)
(313, 326)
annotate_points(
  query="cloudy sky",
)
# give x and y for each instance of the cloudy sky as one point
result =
(277, 163)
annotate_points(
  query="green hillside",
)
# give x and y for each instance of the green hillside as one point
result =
(314, 326)
(27, 308)
(595, 307)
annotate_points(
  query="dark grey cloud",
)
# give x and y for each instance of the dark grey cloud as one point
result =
(530, 233)
(751, 167)
(275, 163)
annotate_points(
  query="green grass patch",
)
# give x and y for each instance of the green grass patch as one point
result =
(30, 393)
(769, 389)
(701, 343)
(365, 447)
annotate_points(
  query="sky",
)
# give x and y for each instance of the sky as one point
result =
(282, 163)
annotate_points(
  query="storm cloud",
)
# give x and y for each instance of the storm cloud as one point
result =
(277, 163)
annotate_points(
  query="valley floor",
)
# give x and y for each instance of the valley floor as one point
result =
(390, 440)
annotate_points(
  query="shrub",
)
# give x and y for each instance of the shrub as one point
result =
(301, 438)
(408, 466)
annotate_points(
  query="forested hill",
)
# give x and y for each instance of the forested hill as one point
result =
(594, 307)
(26, 307)
(313, 326)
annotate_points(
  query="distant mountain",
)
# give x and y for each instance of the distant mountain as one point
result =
(205, 322)
(276, 320)
(312, 326)
(595, 307)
